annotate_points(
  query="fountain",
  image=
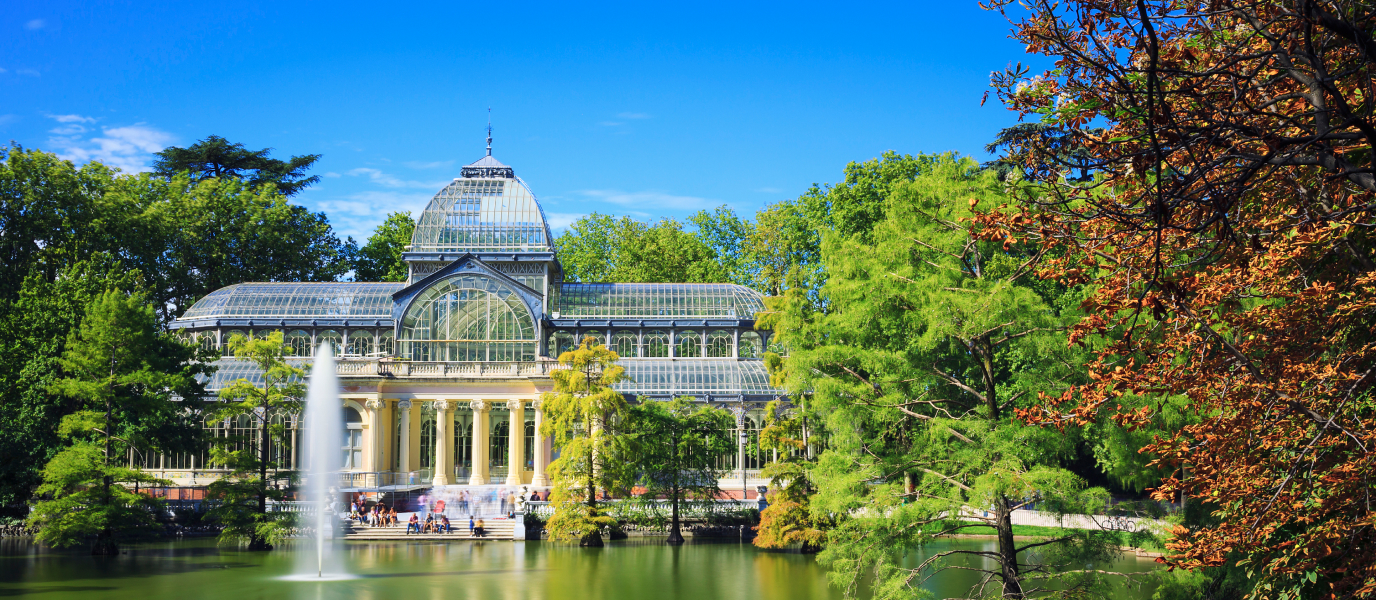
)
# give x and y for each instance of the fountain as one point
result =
(324, 424)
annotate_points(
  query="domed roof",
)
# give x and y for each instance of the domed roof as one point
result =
(487, 209)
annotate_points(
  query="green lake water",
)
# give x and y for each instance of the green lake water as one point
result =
(488, 570)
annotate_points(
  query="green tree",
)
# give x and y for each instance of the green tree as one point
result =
(582, 416)
(118, 369)
(674, 448)
(254, 477)
(925, 343)
(589, 249)
(217, 158)
(380, 258)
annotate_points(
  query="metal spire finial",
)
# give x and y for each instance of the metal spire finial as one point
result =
(489, 131)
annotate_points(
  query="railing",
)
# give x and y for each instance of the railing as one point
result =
(376, 368)
(374, 479)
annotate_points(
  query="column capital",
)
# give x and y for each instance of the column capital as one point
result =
(445, 405)
(515, 404)
(480, 405)
(373, 404)
(404, 405)
(537, 403)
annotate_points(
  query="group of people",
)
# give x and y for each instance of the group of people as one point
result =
(377, 516)
(440, 524)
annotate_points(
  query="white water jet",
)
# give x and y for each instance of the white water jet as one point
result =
(324, 424)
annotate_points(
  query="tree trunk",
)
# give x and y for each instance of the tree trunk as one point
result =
(105, 539)
(255, 541)
(1008, 553)
(675, 534)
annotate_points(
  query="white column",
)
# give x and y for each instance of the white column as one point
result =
(516, 442)
(404, 440)
(480, 442)
(374, 439)
(541, 453)
(444, 440)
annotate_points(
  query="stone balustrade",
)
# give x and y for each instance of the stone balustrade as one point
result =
(444, 370)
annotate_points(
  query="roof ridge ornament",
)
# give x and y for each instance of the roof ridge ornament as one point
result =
(487, 167)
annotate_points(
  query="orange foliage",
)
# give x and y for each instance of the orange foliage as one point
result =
(1229, 239)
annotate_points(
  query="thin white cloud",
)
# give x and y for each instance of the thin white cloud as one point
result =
(129, 148)
(562, 220)
(332, 175)
(7, 119)
(29, 72)
(3, 71)
(35, 24)
(390, 181)
(610, 123)
(658, 200)
(632, 115)
(439, 164)
(769, 190)
(358, 214)
(71, 118)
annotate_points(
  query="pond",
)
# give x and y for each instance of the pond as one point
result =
(632, 569)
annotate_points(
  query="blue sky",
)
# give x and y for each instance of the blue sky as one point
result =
(642, 109)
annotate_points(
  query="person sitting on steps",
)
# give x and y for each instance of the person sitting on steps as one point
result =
(414, 523)
(479, 531)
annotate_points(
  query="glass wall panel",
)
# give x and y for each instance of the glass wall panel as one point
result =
(227, 336)
(530, 446)
(360, 343)
(656, 344)
(624, 344)
(347, 300)
(353, 439)
(333, 338)
(468, 318)
(599, 338)
(751, 345)
(299, 343)
(689, 344)
(559, 343)
(385, 343)
(483, 215)
(463, 439)
(719, 344)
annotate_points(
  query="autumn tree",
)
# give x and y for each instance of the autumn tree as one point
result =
(1227, 233)
(582, 416)
(255, 461)
(788, 520)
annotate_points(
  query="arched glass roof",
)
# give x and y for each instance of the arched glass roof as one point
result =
(489, 209)
(340, 300)
(695, 377)
(647, 300)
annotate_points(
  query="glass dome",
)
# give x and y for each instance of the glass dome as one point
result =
(488, 209)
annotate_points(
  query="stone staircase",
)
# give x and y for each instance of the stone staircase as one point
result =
(497, 529)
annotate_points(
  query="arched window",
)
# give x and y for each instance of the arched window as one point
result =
(559, 343)
(719, 344)
(530, 445)
(751, 345)
(656, 344)
(689, 344)
(427, 435)
(385, 345)
(360, 343)
(599, 338)
(353, 439)
(206, 340)
(299, 343)
(463, 439)
(468, 318)
(624, 343)
(229, 335)
(499, 448)
(263, 334)
(335, 340)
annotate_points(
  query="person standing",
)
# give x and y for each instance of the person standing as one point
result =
(470, 525)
